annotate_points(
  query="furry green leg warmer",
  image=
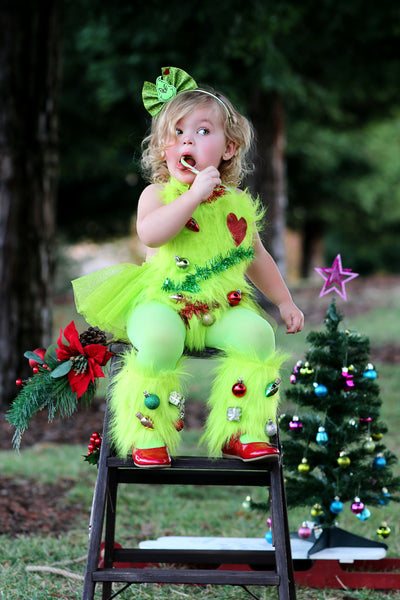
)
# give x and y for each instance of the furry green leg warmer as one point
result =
(247, 414)
(133, 423)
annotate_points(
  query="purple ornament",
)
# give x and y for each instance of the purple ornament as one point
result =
(348, 378)
(293, 378)
(297, 366)
(295, 424)
(304, 532)
(357, 507)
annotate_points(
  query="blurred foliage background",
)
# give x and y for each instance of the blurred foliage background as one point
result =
(334, 66)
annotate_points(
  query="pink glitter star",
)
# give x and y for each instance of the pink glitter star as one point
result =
(334, 278)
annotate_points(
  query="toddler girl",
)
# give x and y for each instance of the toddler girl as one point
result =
(201, 236)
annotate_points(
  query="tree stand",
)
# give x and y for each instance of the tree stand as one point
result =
(224, 567)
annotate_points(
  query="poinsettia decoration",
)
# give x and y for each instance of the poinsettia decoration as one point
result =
(62, 374)
(84, 362)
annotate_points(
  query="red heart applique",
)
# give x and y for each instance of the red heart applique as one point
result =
(237, 227)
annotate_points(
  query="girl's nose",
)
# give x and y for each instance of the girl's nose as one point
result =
(187, 139)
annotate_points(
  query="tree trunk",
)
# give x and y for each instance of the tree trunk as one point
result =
(269, 178)
(313, 231)
(29, 87)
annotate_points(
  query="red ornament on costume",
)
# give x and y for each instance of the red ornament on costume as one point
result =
(239, 389)
(193, 225)
(234, 297)
(179, 425)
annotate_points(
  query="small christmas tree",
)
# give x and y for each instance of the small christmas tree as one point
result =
(332, 446)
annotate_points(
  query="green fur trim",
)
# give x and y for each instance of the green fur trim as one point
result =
(256, 409)
(127, 399)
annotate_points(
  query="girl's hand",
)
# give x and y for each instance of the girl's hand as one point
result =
(205, 182)
(292, 316)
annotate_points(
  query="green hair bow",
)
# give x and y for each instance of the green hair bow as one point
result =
(167, 86)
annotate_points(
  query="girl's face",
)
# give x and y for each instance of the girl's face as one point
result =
(200, 139)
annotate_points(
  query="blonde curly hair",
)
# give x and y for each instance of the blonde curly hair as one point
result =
(237, 129)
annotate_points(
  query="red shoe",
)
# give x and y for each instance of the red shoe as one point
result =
(250, 451)
(150, 458)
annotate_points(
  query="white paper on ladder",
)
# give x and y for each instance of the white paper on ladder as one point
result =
(299, 547)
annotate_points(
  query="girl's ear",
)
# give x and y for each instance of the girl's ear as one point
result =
(229, 150)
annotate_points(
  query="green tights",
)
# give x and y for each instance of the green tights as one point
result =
(158, 333)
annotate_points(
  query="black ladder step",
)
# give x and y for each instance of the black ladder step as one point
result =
(195, 471)
(196, 576)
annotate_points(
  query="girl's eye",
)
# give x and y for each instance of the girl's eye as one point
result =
(178, 131)
(204, 131)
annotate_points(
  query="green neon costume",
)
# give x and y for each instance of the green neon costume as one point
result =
(180, 299)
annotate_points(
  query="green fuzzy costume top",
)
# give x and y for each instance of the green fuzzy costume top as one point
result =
(193, 272)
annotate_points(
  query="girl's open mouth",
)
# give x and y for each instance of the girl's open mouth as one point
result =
(188, 162)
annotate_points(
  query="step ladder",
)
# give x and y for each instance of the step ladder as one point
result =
(223, 567)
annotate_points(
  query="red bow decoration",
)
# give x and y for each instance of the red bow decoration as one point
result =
(197, 308)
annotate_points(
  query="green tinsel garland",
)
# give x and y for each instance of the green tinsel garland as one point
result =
(216, 266)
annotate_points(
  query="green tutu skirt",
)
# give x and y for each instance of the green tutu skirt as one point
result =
(105, 298)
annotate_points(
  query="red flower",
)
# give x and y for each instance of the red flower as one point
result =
(93, 357)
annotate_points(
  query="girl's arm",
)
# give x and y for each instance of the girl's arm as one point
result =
(265, 275)
(157, 223)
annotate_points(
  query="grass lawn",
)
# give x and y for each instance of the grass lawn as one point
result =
(154, 511)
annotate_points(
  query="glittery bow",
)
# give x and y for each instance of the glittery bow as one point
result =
(167, 86)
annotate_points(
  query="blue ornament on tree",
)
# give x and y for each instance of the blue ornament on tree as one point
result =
(320, 390)
(322, 436)
(379, 462)
(336, 506)
(369, 372)
(385, 497)
(364, 515)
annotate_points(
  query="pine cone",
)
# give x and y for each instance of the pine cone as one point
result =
(93, 335)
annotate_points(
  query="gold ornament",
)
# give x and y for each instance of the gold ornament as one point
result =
(383, 531)
(343, 460)
(303, 467)
(207, 319)
(369, 445)
(316, 510)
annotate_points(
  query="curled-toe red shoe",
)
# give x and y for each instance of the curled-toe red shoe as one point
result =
(249, 451)
(151, 458)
